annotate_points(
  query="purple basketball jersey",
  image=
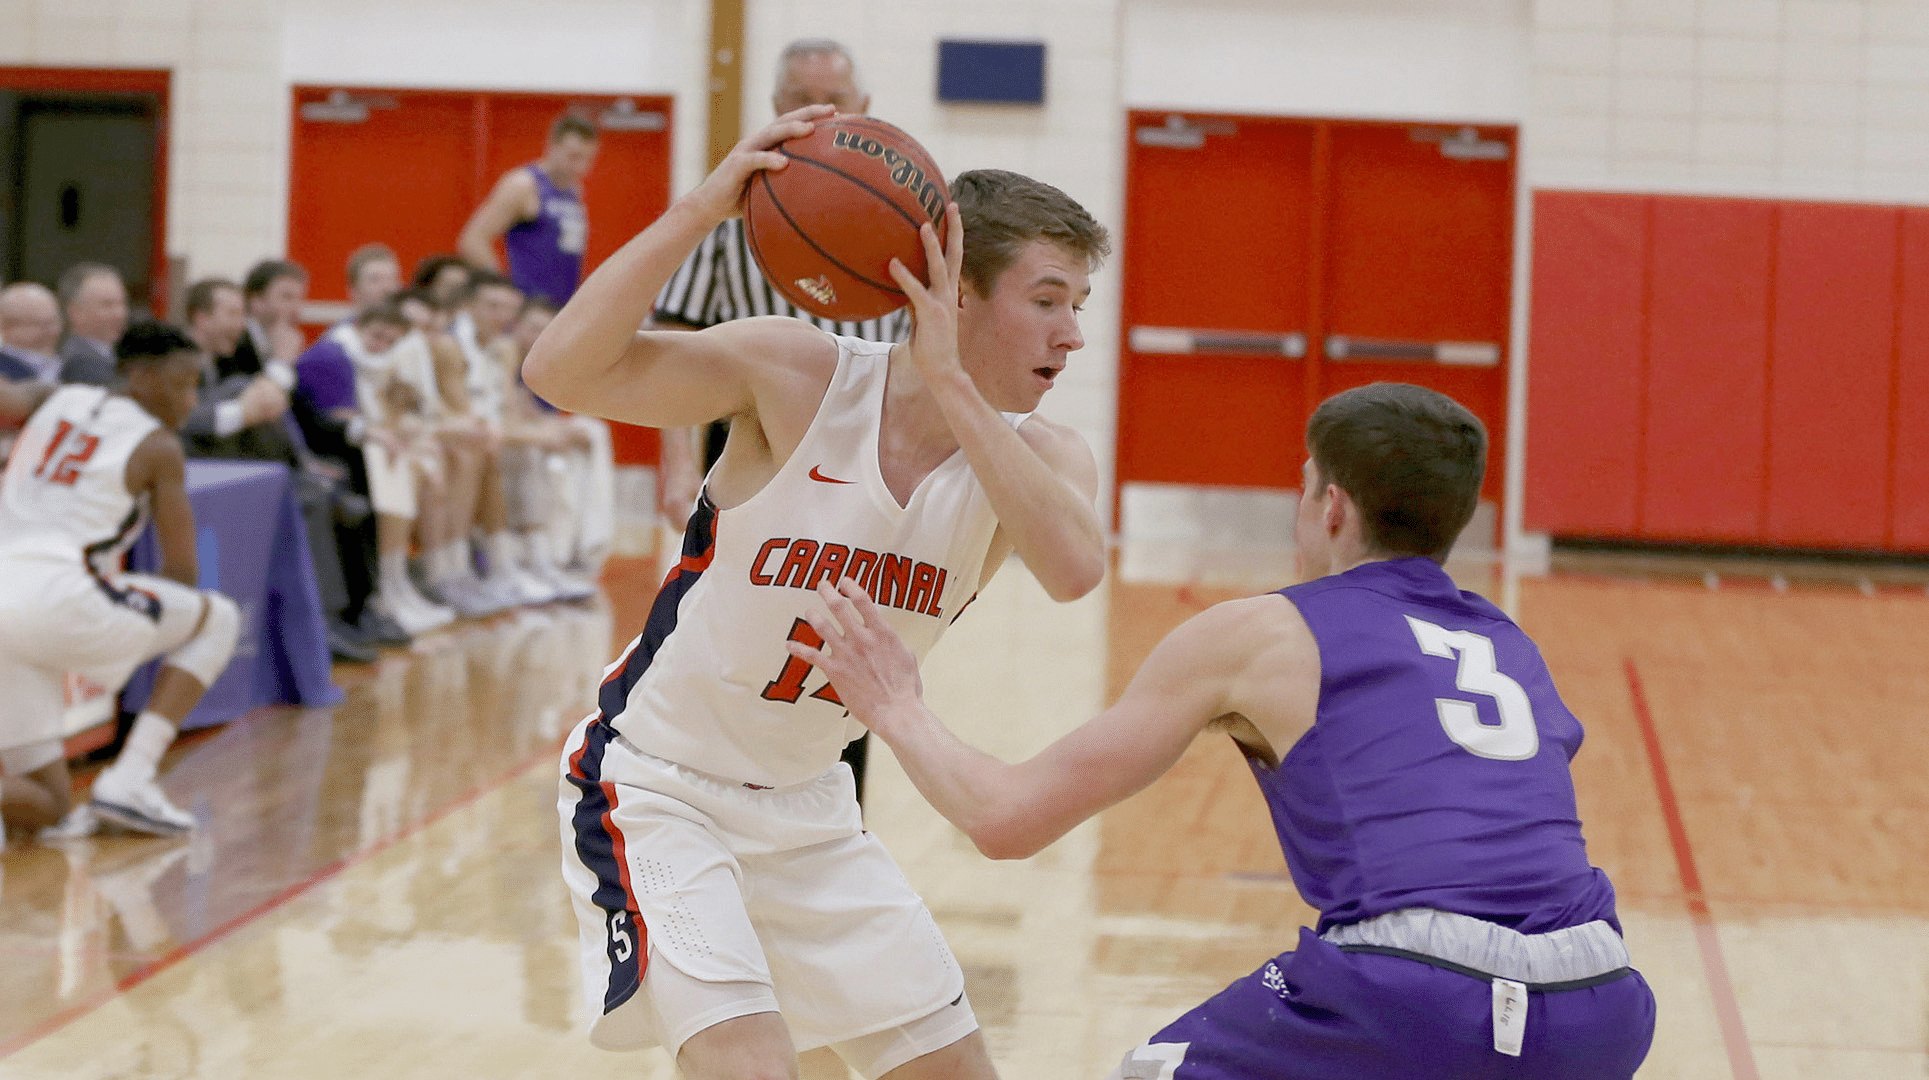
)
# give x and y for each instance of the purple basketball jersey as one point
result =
(1436, 771)
(546, 252)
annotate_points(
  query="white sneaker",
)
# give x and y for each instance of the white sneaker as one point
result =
(79, 824)
(531, 587)
(413, 614)
(142, 807)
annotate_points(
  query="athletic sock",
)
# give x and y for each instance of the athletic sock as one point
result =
(503, 552)
(141, 756)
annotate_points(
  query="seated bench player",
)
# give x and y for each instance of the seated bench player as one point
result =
(1413, 752)
(92, 466)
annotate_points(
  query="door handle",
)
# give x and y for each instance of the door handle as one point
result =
(1172, 340)
(1455, 353)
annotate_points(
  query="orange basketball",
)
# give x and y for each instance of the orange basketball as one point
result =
(825, 227)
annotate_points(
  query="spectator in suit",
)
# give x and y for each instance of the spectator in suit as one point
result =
(95, 300)
(29, 333)
(217, 321)
(272, 294)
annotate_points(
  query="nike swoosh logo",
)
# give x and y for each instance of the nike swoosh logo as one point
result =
(957, 999)
(822, 479)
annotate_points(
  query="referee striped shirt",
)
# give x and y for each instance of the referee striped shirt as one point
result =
(720, 282)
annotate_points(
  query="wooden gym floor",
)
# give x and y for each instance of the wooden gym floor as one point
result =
(375, 892)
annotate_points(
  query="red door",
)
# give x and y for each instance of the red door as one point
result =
(1271, 262)
(407, 167)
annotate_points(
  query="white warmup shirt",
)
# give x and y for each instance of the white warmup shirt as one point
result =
(708, 684)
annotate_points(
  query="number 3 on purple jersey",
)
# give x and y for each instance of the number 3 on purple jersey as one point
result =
(1515, 738)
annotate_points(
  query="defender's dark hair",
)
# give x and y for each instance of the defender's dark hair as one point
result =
(150, 342)
(1410, 458)
(1004, 211)
(571, 123)
(201, 294)
(265, 273)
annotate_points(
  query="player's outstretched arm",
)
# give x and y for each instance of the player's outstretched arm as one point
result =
(592, 358)
(1041, 478)
(1202, 671)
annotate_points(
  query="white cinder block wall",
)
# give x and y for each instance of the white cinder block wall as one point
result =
(1786, 98)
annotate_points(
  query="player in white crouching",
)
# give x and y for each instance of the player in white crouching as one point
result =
(732, 908)
(90, 469)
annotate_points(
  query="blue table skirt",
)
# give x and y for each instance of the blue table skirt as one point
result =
(252, 546)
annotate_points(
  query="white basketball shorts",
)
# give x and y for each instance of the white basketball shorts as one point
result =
(755, 900)
(55, 617)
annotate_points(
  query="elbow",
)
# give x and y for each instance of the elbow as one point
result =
(1075, 580)
(1003, 838)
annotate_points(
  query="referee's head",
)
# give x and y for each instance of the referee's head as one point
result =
(818, 71)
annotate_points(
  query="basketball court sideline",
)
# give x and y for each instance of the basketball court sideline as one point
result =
(376, 891)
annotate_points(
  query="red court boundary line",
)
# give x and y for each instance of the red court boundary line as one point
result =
(1734, 1036)
(181, 952)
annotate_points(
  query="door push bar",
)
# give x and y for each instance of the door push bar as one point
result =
(1457, 353)
(1172, 340)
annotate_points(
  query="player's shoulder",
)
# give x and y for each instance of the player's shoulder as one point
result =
(775, 339)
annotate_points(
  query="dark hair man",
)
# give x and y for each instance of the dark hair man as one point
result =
(1414, 754)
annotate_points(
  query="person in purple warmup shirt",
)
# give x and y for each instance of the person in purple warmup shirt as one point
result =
(537, 210)
(1413, 752)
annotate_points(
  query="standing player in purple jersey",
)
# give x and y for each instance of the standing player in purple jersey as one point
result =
(1414, 754)
(537, 210)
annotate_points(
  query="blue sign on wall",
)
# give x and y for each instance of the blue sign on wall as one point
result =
(992, 72)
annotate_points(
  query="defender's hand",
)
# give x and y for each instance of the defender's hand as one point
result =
(872, 669)
(720, 195)
(934, 306)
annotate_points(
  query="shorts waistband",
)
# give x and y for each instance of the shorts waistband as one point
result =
(1578, 954)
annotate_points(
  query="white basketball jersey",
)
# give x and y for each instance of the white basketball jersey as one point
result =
(65, 489)
(709, 684)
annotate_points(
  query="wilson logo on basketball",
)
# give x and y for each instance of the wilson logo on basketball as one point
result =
(818, 289)
(904, 172)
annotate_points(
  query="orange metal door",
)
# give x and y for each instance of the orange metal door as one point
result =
(1271, 262)
(407, 167)
(1216, 300)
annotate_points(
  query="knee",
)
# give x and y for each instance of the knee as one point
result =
(206, 654)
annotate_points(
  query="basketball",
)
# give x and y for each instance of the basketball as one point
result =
(826, 227)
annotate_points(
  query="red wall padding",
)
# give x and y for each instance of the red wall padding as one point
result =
(1706, 441)
(1909, 489)
(1830, 375)
(1584, 432)
(1782, 371)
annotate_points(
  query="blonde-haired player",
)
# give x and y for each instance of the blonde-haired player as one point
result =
(732, 908)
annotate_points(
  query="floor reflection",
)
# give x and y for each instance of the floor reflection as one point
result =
(380, 882)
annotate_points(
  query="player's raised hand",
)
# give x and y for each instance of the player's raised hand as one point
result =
(935, 304)
(872, 669)
(721, 193)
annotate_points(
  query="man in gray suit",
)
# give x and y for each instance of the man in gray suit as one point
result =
(29, 331)
(95, 300)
